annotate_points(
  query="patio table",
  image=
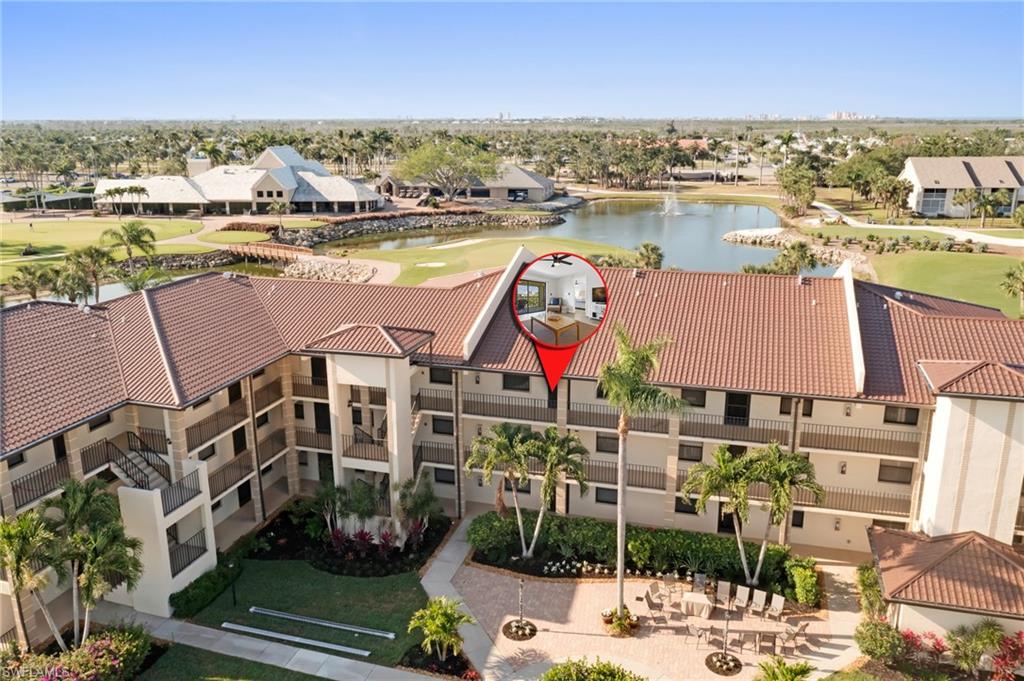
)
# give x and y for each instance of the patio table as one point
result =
(697, 604)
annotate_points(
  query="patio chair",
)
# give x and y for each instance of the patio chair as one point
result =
(675, 612)
(778, 604)
(655, 610)
(787, 639)
(758, 604)
(700, 582)
(654, 590)
(742, 599)
(670, 582)
(723, 595)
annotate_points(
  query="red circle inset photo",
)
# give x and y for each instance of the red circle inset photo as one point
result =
(560, 300)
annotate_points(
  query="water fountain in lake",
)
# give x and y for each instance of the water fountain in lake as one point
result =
(670, 204)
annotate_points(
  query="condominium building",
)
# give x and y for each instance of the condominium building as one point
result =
(936, 181)
(207, 403)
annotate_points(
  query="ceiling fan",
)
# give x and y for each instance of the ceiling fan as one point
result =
(562, 259)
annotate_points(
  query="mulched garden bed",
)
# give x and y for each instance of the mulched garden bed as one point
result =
(456, 666)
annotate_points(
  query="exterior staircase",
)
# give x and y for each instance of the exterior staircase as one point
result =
(139, 465)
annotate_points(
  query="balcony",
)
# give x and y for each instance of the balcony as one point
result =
(643, 477)
(730, 429)
(507, 407)
(187, 552)
(363, 446)
(378, 396)
(180, 492)
(309, 386)
(40, 482)
(215, 424)
(842, 499)
(267, 395)
(533, 466)
(434, 453)
(314, 439)
(270, 446)
(868, 440)
(230, 474)
(607, 416)
(434, 400)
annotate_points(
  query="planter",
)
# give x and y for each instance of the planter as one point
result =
(723, 664)
(519, 630)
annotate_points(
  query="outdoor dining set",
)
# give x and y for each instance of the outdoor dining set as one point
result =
(672, 600)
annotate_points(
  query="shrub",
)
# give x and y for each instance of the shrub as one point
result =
(871, 602)
(581, 670)
(116, 654)
(200, 593)
(1010, 657)
(879, 640)
(803, 581)
(968, 644)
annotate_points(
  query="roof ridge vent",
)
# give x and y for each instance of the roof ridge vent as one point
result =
(85, 308)
(898, 295)
(799, 280)
(636, 273)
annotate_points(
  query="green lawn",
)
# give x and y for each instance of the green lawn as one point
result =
(7, 268)
(973, 277)
(378, 602)
(476, 254)
(185, 663)
(57, 236)
(839, 198)
(300, 223)
(861, 234)
(233, 237)
(1007, 232)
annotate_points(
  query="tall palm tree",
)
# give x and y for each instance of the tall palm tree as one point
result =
(728, 478)
(213, 151)
(81, 507)
(93, 261)
(116, 196)
(130, 236)
(71, 282)
(990, 203)
(440, 621)
(784, 473)
(26, 544)
(562, 455)
(786, 140)
(110, 558)
(507, 448)
(1012, 284)
(31, 279)
(715, 147)
(143, 279)
(967, 198)
(280, 209)
(625, 385)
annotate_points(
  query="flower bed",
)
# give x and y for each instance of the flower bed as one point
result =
(116, 654)
(457, 666)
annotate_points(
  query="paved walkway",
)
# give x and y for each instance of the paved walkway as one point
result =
(255, 649)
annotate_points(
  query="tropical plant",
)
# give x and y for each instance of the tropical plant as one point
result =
(784, 473)
(727, 478)
(31, 279)
(777, 669)
(879, 640)
(1012, 284)
(968, 198)
(650, 255)
(131, 236)
(439, 622)
(989, 203)
(581, 670)
(280, 209)
(562, 456)
(1018, 216)
(110, 558)
(624, 383)
(417, 500)
(143, 279)
(94, 262)
(786, 140)
(967, 644)
(71, 282)
(26, 545)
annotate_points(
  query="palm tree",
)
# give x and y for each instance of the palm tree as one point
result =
(93, 261)
(727, 478)
(280, 209)
(967, 198)
(71, 282)
(213, 151)
(440, 622)
(794, 258)
(116, 196)
(715, 146)
(563, 456)
(82, 507)
(26, 543)
(786, 140)
(507, 449)
(777, 669)
(650, 255)
(625, 385)
(143, 279)
(31, 279)
(760, 142)
(784, 473)
(1013, 284)
(133, 234)
(110, 558)
(990, 203)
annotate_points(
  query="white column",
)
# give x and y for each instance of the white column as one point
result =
(399, 396)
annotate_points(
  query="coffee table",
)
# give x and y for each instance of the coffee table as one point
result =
(558, 324)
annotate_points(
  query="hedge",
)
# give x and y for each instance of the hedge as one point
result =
(657, 550)
(201, 592)
(581, 670)
(115, 654)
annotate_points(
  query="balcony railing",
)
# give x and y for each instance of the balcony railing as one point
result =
(436, 452)
(842, 499)
(187, 552)
(727, 428)
(309, 386)
(40, 482)
(378, 396)
(645, 477)
(149, 455)
(267, 395)
(505, 406)
(364, 447)
(868, 440)
(94, 456)
(533, 466)
(9, 637)
(228, 475)
(434, 400)
(215, 424)
(606, 416)
(99, 454)
(155, 439)
(270, 446)
(180, 492)
(308, 437)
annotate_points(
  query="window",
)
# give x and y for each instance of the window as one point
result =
(515, 382)
(201, 402)
(443, 426)
(786, 406)
(685, 506)
(99, 421)
(530, 297)
(207, 452)
(440, 375)
(258, 373)
(235, 392)
(694, 397)
(522, 488)
(599, 392)
(300, 411)
(737, 450)
(280, 194)
(259, 193)
(933, 201)
(303, 458)
(906, 416)
(266, 469)
(215, 506)
(606, 495)
(895, 471)
(889, 524)
(797, 519)
(238, 440)
(691, 451)
(15, 459)
(444, 476)
(262, 419)
(357, 416)
(607, 443)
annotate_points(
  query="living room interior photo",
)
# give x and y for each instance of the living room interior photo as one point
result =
(560, 299)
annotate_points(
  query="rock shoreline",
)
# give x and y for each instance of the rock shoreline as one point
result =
(184, 261)
(827, 255)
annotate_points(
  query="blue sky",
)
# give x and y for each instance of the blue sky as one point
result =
(316, 61)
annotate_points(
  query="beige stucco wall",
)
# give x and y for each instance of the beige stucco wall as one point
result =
(922, 619)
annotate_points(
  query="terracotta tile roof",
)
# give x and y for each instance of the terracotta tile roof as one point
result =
(372, 339)
(964, 571)
(989, 379)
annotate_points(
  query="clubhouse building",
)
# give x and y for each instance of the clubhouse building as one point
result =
(209, 402)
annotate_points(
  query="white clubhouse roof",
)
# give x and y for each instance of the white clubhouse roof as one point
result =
(160, 189)
(314, 187)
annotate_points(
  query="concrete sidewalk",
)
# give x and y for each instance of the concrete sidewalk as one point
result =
(956, 233)
(255, 649)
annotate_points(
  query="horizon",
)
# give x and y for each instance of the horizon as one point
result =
(438, 62)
